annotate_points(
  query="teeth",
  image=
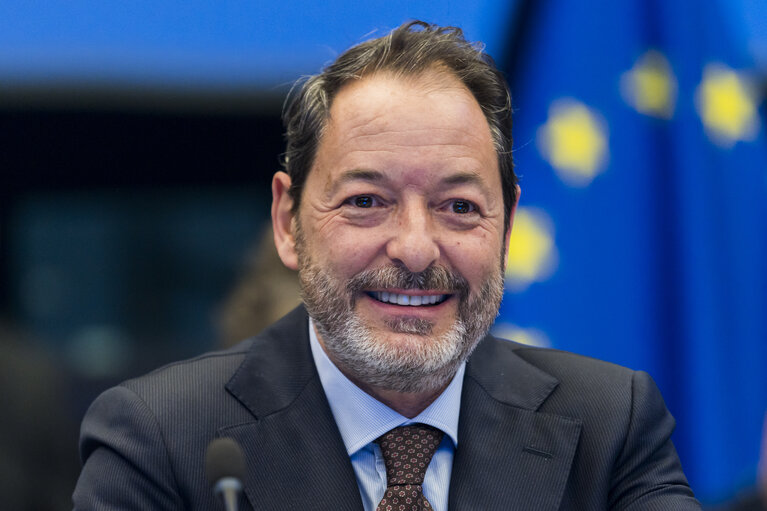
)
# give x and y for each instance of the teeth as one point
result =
(412, 301)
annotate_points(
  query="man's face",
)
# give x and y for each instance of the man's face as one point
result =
(399, 236)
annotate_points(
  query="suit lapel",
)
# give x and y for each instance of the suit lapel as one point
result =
(509, 455)
(294, 453)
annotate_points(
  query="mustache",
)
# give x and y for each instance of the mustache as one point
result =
(433, 278)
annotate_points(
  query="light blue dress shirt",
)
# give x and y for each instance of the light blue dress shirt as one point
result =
(361, 419)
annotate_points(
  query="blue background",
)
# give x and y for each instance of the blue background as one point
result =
(661, 258)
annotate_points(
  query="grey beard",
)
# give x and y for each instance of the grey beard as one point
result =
(418, 363)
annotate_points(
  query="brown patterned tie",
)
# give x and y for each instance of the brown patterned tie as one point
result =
(407, 451)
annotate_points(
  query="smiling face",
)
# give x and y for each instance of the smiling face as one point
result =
(400, 232)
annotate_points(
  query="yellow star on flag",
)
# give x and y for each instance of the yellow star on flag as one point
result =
(650, 87)
(574, 141)
(532, 255)
(727, 106)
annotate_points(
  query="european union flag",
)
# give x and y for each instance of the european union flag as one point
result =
(642, 232)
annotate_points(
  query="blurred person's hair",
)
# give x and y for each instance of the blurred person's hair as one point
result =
(265, 292)
(407, 51)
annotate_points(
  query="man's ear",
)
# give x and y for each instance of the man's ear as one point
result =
(511, 220)
(282, 220)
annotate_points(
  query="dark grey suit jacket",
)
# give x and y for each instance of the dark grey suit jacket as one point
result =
(539, 430)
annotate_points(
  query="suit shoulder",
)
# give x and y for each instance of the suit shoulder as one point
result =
(563, 364)
(581, 385)
(206, 371)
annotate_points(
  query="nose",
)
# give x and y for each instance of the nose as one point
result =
(413, 242)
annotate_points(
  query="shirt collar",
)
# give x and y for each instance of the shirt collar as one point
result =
(361, 418)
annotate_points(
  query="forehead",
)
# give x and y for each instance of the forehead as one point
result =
(430, 121)
(427, 99)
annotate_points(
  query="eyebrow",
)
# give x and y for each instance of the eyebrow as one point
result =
(356, 175)
(462, 178)
(373, 176)
(466, 178)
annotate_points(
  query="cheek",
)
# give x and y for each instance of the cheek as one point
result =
(474, 258)
(332, 243)
(348, 251)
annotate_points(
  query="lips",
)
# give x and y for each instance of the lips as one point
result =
(408, 300)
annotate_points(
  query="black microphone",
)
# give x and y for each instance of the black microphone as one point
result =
(225, 469)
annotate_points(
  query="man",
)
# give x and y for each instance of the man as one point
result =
(396, 207)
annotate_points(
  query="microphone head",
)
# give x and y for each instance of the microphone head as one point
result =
(224, 458)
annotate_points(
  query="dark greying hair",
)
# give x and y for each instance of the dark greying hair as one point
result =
(408, 50)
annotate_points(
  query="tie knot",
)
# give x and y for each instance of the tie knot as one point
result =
(407, 451)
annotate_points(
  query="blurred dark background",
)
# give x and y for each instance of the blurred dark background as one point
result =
(137, 143)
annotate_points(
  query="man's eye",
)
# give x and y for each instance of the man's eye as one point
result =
(363, 201)
(462, 207)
